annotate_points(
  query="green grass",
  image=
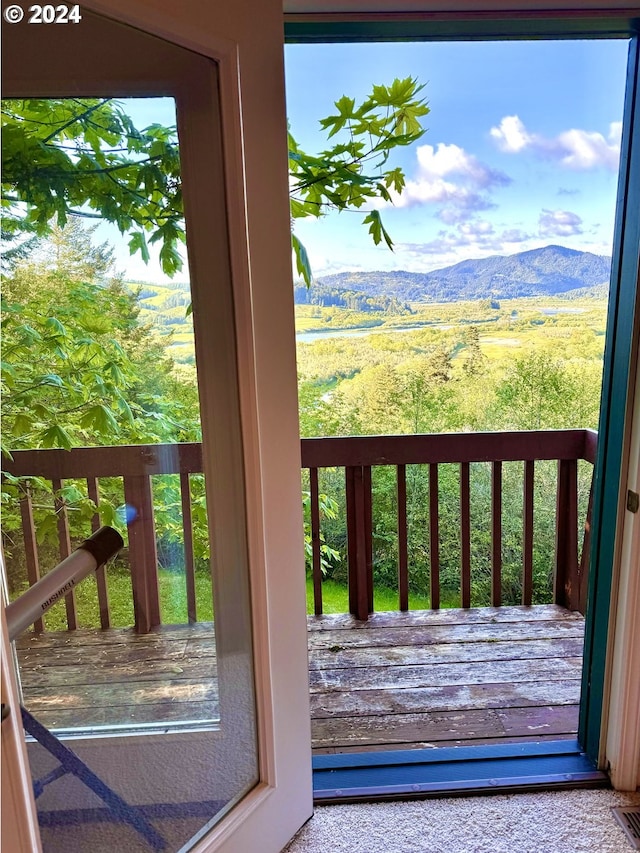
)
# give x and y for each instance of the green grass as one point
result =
(173, 601)
(335, 599)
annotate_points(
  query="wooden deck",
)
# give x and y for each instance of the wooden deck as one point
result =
(400, 680)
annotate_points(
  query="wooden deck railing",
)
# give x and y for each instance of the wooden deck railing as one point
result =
(357, 455)
(135, 465)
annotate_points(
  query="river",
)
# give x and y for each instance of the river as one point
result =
(322, 334)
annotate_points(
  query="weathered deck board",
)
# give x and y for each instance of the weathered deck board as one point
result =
(444, 678)
(426, 635)
(400, 680)
(363, 703)
(348, 658)
(449, 616)
(447, 725)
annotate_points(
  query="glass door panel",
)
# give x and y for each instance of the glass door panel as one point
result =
(120, 407)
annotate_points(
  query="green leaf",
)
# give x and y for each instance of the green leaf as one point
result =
(302, 260)
(376, 228)
(101, 419)
(138, 243)
(70, 494)
(54, 325)
(22, 425)
(52, 379)
(56, 436)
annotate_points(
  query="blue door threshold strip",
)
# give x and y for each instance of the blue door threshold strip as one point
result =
(404, 774)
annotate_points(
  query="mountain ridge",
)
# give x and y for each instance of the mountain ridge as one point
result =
(548, 271)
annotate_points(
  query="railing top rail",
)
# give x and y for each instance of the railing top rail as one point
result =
(85, 462)
(448, 447)
(590, 445)
(186, 458)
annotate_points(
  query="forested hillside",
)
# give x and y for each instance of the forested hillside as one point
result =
(165, 308)
(549, 271)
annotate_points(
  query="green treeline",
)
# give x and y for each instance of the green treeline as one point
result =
(323, 295)
(476, 366)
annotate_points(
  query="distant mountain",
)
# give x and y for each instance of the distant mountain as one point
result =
(550, 271)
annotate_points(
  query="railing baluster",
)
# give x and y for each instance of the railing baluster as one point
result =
(585, 556)
(143, 557)
(434, 537)
(527, 534)
(357, 550)
(315, 541)
(368, 533)
(465, 534)
(403, 563)
(350, 506)
(30, 546)
(496, 534)
(64, 542)
(567, 591)
(189, 561)
(101, 573)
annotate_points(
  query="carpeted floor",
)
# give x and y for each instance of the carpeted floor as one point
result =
(556, 822)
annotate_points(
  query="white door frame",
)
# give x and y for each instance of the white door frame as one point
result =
(622, 745)
(19, 821)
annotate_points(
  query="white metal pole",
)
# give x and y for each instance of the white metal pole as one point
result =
(91, 554)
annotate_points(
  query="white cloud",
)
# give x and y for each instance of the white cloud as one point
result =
(576, 149)
(477, 236)
(515, 235)
(449, 176)
(559, 223)
(511, 135)
(453, 160)
(476, 229)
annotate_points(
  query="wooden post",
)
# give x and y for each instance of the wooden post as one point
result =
(434, 537)
(356, 544)
(101, 573)
(367, 517)
(30, 546)
(403, 569)
(496, 534)
(64, 542)
(527, 533)
(566, 585)
(143, 555)
(189, 562)
(585, 556)
(315, 541)
(465, 535)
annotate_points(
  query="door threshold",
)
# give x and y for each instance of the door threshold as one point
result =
(454, 771)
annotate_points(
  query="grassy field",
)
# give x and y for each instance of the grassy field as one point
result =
(503, 325)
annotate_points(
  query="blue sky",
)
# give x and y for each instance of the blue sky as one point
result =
(521, 149)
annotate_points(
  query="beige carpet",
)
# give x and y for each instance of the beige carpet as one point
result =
(557, 822)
